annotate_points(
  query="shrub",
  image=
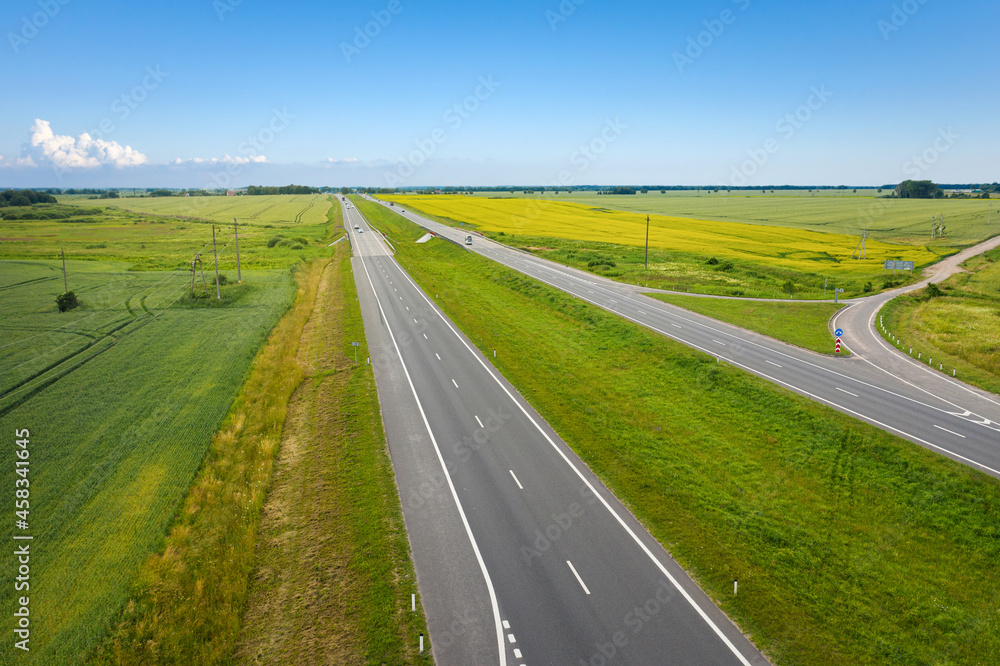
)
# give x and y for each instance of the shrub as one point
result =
(298, 246)
(712, 262)
(868, 287)
(933, 291)
(66, 301)
(274, 240)
(725, 266)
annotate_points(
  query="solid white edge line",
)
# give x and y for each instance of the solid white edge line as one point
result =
(515, 480)
(578, 579)
(461, 512)
(585, 480)
(950, 432)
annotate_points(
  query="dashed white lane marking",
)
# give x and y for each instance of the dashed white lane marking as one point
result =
(515, 480)
(407, 307)
(479, 422)
(579, 580)
(950, 432)
(517, 653)
(719, 343)
(438, 355)
(511, 638)
(676, 326)
(425, 337)
(772, 363)
(847, 392)
(506, 624)
(414, 321)
(455, 383)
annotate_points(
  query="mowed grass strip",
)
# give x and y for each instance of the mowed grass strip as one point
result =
(804, 325)
(333, 575)
(851, 546)
(960, 328)
(186, 605)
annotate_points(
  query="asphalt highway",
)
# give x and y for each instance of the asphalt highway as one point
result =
(877, 384)
(522, 555)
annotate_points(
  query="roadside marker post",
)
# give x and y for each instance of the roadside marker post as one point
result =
(355, 352)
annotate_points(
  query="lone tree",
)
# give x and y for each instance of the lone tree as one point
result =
(918, 189)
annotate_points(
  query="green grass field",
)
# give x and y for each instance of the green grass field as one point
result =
(906, 221)
(118, 429)
(123, 394)
(960, 328)
(804, 325)
(851, 546)
(98, 232)
(277, 209)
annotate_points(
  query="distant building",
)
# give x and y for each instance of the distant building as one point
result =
(236, 193)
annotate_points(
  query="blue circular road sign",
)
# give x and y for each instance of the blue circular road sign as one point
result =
(839, 332)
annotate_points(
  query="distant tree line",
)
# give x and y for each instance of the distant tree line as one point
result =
(257, 190)
(918, 189)
(24, 198)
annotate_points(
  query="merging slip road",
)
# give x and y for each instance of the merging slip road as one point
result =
(522, 555)
(878, 385)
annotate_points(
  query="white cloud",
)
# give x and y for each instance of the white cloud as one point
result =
(225, 159)
(345, 160)
(82, 152)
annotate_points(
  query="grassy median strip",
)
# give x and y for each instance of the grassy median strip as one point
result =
(850, 545)
(804, 325)
(333, 577)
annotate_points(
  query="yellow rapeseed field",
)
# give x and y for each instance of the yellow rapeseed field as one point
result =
(796, 249)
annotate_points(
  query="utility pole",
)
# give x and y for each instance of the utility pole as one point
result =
(218, 294)
(192, 276)
(646, 263)
(239, 276)
(65, 284)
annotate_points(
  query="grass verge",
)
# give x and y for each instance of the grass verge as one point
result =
(957, 326)
(850, 545)
(333, 576)
(804, 325)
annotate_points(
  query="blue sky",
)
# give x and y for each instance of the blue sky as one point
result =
(202, 93)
